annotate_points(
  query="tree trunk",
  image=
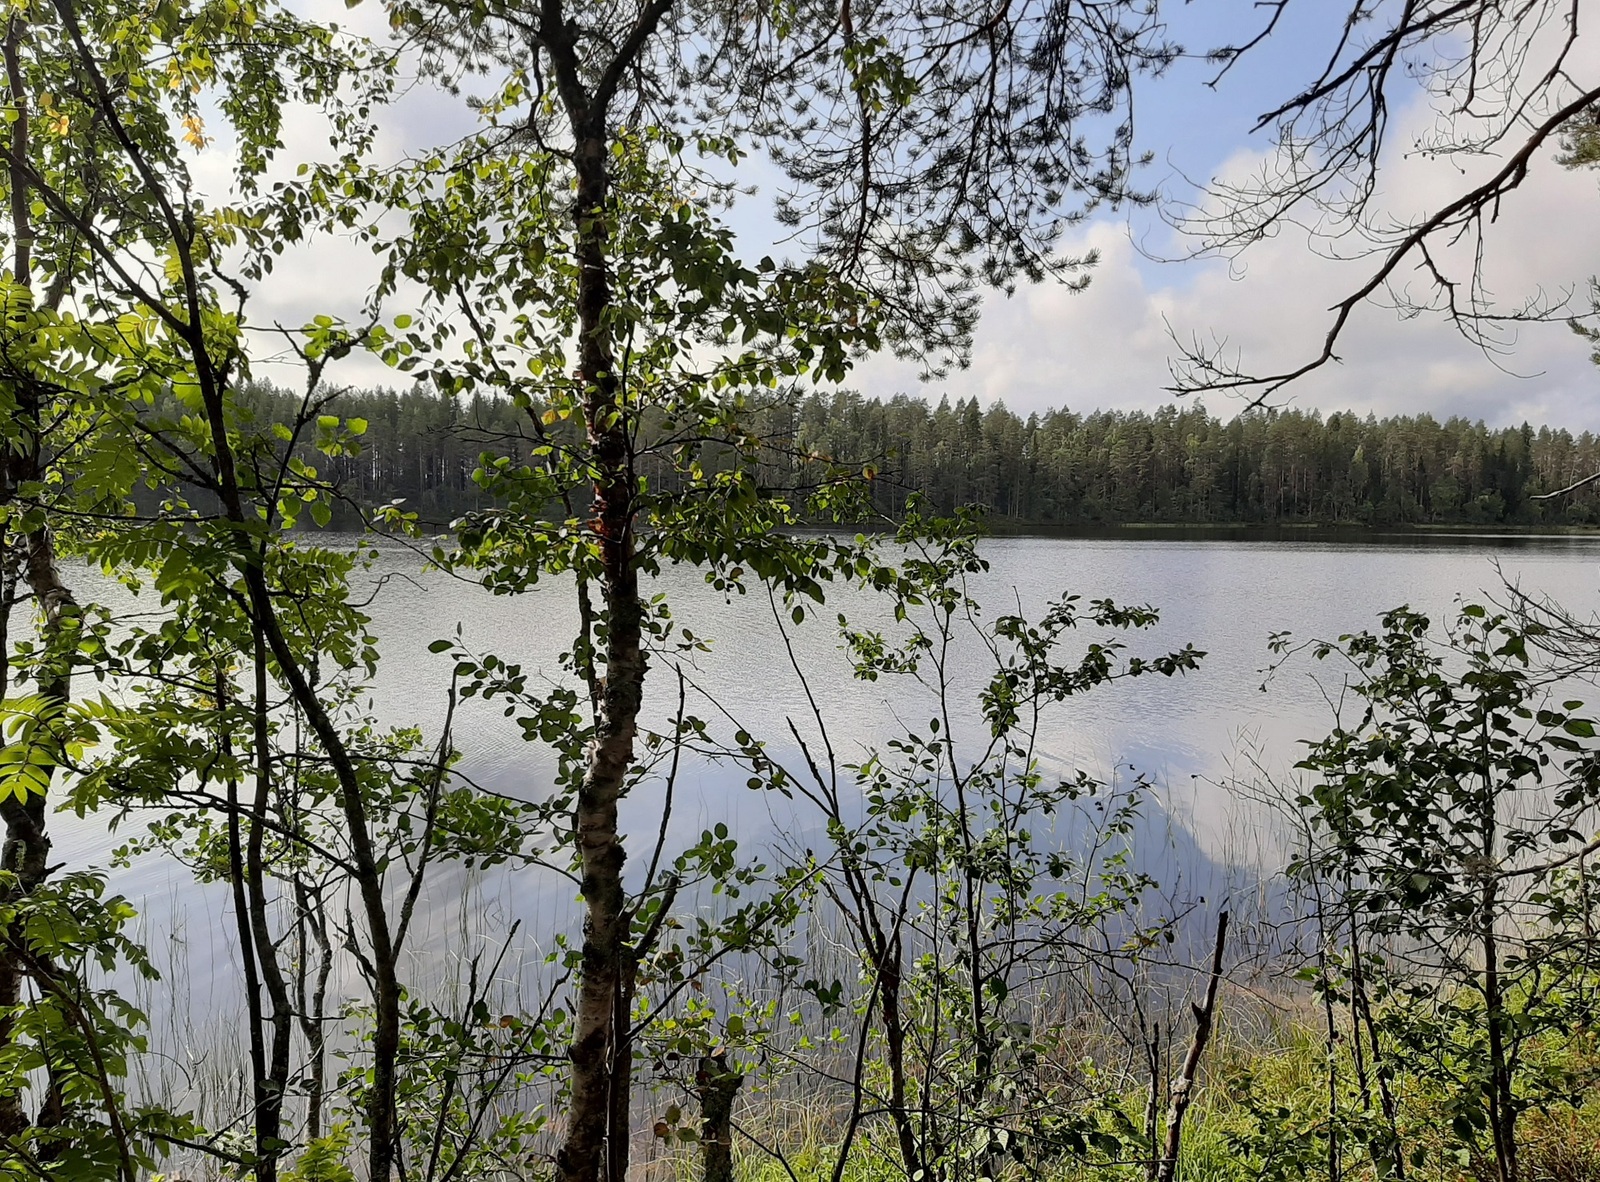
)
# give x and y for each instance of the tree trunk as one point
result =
(1362, 1018)
(270, 1087)
(1152, 1102)
(594, 1113)
(1502, 1102)
(311, 999)
(894, 1038)
(26, 850)
(1183, 1087)
(717, 1087)
(598, 1113)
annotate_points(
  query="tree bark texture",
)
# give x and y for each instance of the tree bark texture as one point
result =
(26, 849)
(1183, 1086)
(599, 1063)
(718, 1087)
(599, 1110)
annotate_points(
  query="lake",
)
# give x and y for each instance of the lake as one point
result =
(1190, 735)
(1224, 596)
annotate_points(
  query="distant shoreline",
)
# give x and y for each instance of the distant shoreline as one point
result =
(1180, 531)
(1286, 532)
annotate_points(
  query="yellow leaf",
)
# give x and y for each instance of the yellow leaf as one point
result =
(195, 132)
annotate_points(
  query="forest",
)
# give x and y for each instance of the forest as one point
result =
(377, 770)
(1178, 464)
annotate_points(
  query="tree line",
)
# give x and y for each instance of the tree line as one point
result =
(1180, 463)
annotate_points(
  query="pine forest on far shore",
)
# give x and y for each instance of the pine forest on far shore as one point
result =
(1180, 464)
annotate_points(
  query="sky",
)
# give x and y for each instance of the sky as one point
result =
(1111, 345)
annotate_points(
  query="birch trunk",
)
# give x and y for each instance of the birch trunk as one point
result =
(597, 1120)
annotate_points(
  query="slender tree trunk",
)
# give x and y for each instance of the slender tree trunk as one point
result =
(26, 849)
(382, 1112)
(312, 1001)
(1364, 1020)
(594, 1114)
(718, 1087)
(885, 951)
(247, 949)
(272, 1086)
(1502, 1106)
(1152, 1103)
(1183, 1087)
(269, 1070)
(894, 1039)
(26, 852)
(10, 580)
(1331, 1051)
(599, 1110)
(620, 1118)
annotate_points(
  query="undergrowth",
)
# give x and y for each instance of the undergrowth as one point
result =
(1262, 1115)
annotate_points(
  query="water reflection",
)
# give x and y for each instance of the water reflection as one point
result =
(1187, 735)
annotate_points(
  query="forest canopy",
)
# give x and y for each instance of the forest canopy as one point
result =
(1178, 464)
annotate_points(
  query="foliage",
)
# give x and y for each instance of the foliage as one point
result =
(654, 404)
(927, 149)
(1176, 464)
(984, 902)
(1447, 835)
(1580, 142)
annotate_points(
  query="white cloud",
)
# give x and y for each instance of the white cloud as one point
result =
(1109, 346)
(332, 274)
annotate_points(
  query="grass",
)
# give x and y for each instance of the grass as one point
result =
(1268, 1100)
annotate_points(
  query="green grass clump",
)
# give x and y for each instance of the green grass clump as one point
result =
(1260, 1115)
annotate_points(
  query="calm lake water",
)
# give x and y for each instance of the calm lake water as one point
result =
(1186, 733)
(1189, 735)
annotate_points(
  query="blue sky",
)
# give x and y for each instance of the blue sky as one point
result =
(1110, 346)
